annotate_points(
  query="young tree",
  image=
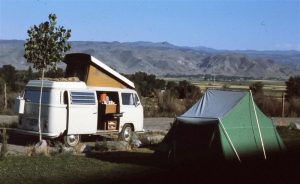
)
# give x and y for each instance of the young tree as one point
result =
(8, 73)
(45, 47)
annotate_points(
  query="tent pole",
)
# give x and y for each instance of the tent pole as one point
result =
(261, 139)
(231, 144)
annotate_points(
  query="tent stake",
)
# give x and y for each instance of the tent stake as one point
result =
(261, 139)
(236, 153)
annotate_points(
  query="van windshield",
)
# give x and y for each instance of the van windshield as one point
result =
(33, 96)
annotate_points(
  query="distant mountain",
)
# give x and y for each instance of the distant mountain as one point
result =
(164, 58)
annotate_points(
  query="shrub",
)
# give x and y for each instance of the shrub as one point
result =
(272, 106)
(256, 88)
(293, 87)
(169, 104)
(294, 110)
(10, 102)
(4, 150)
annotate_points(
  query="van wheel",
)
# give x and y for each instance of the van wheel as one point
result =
(126, 133)
(71, 140)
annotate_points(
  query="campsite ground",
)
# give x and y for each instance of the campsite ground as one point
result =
(143, 166)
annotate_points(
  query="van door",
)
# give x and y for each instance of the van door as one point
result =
(132, 111)
(82, 112)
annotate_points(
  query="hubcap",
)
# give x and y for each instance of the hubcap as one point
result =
(127, 133)
(72, 139)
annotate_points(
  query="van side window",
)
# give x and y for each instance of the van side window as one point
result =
(82, 98)
(127, 99)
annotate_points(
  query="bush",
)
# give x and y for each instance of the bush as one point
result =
(161, 98)
(4, 150)
(293, 87)
(184, 90)
(256, 88)
(271, 106)
(294, 110)
(147, 84)
(10, 103)
(168, 104)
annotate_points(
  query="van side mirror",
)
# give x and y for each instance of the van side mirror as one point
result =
(137, 103)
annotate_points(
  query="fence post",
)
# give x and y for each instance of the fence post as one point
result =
(283, 99)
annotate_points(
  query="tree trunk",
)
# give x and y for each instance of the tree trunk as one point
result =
(5, 96)
(40, 105)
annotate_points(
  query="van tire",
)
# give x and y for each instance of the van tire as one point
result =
(71, 140)
(126, 133)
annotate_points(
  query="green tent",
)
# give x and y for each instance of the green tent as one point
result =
(226, 124)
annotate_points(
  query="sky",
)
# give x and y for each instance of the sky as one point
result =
(219, 24)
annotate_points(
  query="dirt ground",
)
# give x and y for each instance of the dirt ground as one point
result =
(158, 124)
(161, 123)
(18, 146)
(151, 124)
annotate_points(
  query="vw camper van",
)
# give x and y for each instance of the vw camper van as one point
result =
(71, 108)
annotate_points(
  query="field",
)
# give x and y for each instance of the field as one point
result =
(271, 87)
(243, 85)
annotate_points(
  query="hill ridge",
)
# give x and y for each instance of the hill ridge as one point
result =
(163, 58)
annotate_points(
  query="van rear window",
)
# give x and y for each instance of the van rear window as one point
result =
(83, 98)
(33, 96)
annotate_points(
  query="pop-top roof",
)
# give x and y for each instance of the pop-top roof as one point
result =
(98, 63)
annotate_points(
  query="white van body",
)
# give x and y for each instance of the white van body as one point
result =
(72, 108)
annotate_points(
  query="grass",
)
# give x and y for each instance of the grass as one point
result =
(67, 169)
